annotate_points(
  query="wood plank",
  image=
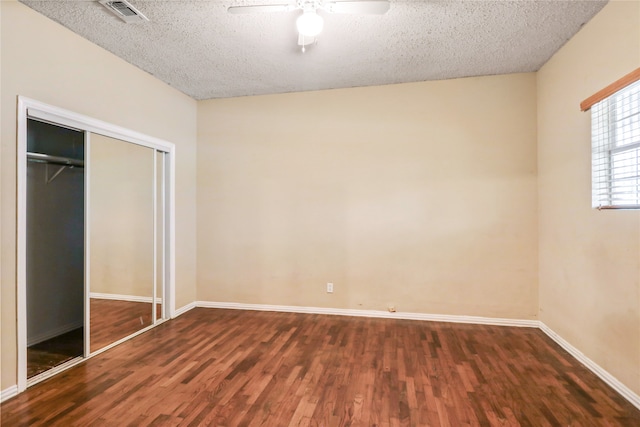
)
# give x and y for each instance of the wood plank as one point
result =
(112, 320)
(241, 368)
(612, 88)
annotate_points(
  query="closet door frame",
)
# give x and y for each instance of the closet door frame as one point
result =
(32, 109)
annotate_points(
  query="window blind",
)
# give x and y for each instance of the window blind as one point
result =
(615, 138)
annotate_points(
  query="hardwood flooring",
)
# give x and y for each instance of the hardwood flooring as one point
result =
(55, 351)
(213, 367)
(112, 320)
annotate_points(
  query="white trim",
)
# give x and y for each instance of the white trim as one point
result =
(163, 246)
(54, 332)
(154, 189)
(171, 233)
(87, 244)
(605, 376)
(130, 298)
(372, 313)
(183, 309)
(21, 245)
(55, 115)
(8, 393)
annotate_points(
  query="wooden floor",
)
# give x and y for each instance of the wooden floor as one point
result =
(214, 367)
(112, 320)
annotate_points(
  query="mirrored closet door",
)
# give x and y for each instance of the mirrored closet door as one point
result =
(121, 243)
(95, 253)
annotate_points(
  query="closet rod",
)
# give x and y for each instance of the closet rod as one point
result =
(46, 158)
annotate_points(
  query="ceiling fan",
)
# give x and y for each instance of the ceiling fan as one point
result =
(309, 23)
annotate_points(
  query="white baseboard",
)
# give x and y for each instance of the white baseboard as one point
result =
(372, 313)
(8, 393)
(605, 376)
(184, 309)
(130, 298)
(43, 336)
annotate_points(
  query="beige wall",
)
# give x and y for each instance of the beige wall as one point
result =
(589, 259)
(418, 195)
(44, 61)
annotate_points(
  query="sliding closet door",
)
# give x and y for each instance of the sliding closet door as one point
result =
(95, 234)
(121, 239)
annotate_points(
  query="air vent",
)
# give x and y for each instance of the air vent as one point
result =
(124, 10)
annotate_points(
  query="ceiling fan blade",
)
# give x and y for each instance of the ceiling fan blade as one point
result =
(266, 8)
(369, 7)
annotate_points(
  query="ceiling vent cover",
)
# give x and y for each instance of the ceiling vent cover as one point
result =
(124, 10)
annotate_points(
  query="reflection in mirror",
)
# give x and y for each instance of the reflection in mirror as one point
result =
(121, 242)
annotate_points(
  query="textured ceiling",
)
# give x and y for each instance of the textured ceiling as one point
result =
(205, 52)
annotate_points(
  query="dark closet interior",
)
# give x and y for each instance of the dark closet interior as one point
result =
(55, 245)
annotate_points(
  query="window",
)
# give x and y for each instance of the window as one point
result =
(615, 142)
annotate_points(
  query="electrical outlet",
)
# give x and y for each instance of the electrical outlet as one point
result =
(329, 288)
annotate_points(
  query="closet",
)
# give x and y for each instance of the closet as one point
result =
(55, 245)
(95, 237)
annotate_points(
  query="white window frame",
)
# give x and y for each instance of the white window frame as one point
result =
(616, 182)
